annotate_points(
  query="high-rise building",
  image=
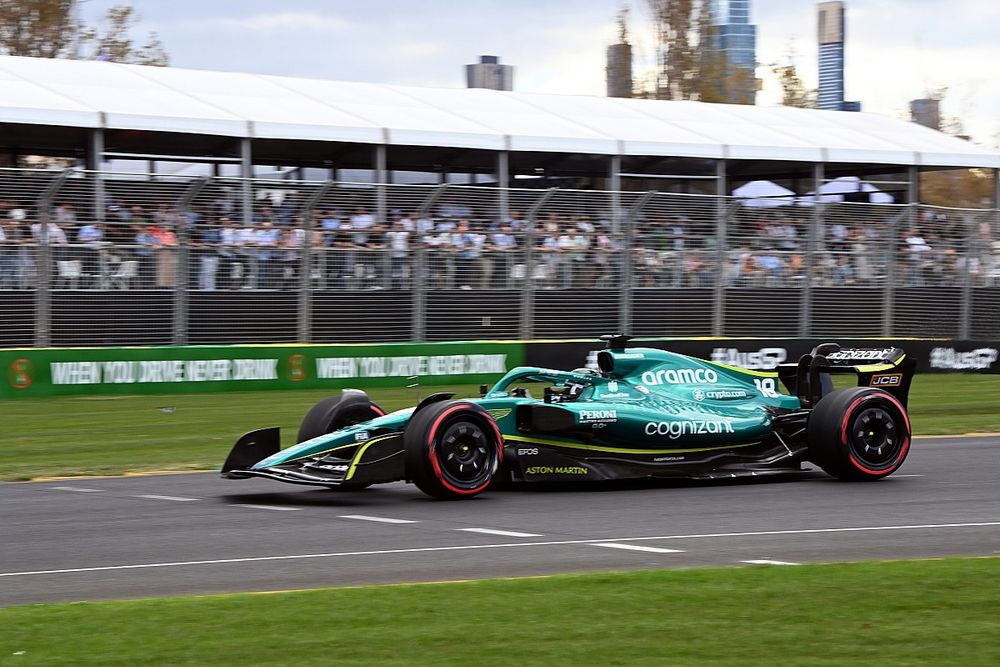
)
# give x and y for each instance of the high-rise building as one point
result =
(926, 112)
(831, 55)
(489, 73)
(736, 39)
(619, 68)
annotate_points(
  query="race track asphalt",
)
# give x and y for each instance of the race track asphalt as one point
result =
(125, 537)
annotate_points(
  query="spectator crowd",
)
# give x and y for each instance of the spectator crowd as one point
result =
(142, 246)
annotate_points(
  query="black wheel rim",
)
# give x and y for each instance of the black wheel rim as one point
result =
(875, 438)
(466, 454)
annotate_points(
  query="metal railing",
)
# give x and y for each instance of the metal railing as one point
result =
(89, 258)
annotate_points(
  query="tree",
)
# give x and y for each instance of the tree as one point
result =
(50, 29)
(959, 188)
(690, 63)
(38, 28)
(793, 91)
(676, 25)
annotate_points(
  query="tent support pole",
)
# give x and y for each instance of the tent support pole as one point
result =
(721, 220)
(246, 173)
(503, 182)
(381, 179)
(96, 164)
(615, 188)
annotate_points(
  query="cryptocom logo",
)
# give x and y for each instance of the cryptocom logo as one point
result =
(21, 373)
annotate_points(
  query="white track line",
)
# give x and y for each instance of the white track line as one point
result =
(505, 533)
(377, 519)
(472, 547)
(765, 561)
(75, 489)
(267, 507)
(907, 475)
(637, 547)
(176, 499)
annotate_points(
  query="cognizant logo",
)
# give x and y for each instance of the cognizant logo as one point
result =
(680, 376)
(676, 429)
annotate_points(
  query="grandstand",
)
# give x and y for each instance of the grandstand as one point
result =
(207, 207)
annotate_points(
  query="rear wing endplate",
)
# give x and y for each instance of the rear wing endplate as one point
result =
(885, 368)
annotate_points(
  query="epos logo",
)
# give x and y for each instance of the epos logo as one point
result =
(680, 376)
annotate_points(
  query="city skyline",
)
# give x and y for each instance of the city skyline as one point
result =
(899, 49)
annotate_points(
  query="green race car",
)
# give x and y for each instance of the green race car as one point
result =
(642, 413)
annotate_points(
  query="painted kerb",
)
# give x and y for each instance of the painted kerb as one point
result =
(169, 370)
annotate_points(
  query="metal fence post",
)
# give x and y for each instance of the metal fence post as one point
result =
(628, 263)
(723, 214)
(889, 288)
(43, 264)
(812, 247)
(973, 250)
(528, 290)
(418, 316)
(181, 290)
(304, 320)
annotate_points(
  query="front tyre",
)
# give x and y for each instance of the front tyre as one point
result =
(859, 434)
(453, 449)
(350, 407)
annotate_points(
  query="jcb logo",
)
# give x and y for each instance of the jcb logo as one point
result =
(893, 380)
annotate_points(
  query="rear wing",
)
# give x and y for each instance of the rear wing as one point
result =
(885, 368)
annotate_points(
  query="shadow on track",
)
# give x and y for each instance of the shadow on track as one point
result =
(395, 494)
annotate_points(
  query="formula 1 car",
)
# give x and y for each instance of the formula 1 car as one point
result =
(642, 413)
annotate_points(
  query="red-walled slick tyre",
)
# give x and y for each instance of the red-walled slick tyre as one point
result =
(453, 449)
(859, 434)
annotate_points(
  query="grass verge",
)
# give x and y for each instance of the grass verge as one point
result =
(901, 613)
(111, 435)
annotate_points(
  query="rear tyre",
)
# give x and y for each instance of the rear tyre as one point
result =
(859, 434)
(453, 450)
(350, 407)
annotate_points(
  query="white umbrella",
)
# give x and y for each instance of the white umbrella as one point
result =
(764, 194)
(834, 191)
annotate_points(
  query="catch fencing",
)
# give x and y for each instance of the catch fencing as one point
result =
(104, 259)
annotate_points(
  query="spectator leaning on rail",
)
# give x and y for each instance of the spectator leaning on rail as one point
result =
(165, 245)
(8, 258)
(206, 242)
(397, 239)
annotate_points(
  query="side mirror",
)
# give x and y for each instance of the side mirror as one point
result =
(482, 390)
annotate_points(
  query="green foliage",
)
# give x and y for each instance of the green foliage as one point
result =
(689, 66)
(941, 612)
(49, 29)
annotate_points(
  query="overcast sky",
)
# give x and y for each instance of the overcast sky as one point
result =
(897, 50)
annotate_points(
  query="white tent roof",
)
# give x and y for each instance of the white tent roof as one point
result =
(94, 94)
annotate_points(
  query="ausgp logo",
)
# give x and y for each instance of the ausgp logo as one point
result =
(680, 376)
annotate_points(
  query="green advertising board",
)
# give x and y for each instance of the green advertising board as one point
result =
(163, 370)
